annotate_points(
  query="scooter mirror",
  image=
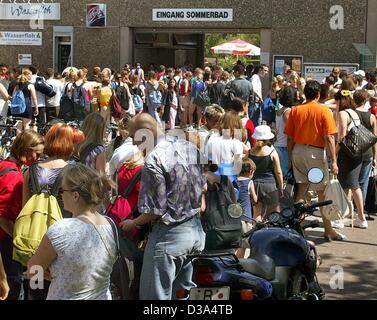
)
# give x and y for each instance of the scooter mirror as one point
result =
(315, 176)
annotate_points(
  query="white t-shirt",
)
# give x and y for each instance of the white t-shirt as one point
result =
(222, 150)
(257, 85)
(58, 88)
(41, 98)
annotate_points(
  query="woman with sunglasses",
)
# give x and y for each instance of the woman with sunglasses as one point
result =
(25, 150)
(79, 253)
(59, 145)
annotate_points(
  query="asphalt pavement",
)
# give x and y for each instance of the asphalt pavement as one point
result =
(349, 268)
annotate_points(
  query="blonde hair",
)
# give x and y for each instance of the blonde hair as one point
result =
(280, 80)
(93, 128)
(214, 112)
(81, 75)
(135, 161)
(92, 187)
(231, 121)
(25, 73)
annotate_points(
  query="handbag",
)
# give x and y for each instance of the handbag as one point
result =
(119, 208)
(357, 141)
(341, 206)
(127, 268)
(371, 201)
(131, 108)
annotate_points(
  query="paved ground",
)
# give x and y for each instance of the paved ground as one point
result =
(358, 258)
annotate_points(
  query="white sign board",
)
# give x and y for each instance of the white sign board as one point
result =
(10, 38)
(192, 15)
(319, 71)
(30, 11)
(25, 59)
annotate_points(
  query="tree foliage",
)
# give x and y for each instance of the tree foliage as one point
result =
(228, 61)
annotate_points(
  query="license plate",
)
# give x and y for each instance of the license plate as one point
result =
(210, 293)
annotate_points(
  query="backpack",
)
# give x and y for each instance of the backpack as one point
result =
(120, 92)
(138, 102)
(81, 102)
(155, 98)
(119, 208)
(40, 212)
(66, 112)
(357, 141)
(269, 111)
(223, 232)
(228, 96)
(18, 103)
(202, 99)
(115, 106)
(44, 87)
(127, 268)
(4, 172)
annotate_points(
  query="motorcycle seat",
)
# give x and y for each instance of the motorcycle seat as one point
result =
(259, 265)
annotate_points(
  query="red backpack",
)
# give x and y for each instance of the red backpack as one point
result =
(119, 209)
(115, 106)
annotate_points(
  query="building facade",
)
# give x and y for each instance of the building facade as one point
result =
(170, 33)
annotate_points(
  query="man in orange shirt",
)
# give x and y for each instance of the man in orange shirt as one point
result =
(311, 131)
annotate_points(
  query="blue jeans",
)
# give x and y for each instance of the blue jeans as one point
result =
(366, 170)
(166, 267)
(13, 270)
(283, 155)
(153, 112)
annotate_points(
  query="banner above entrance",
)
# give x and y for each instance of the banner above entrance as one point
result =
(193, 15)
(29, 11)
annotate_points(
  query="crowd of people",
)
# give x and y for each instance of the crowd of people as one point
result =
(219, 118)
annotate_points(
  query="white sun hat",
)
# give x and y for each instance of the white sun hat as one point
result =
(360, 73)
(263, 133)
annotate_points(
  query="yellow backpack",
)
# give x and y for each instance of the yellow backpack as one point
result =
(41, 211)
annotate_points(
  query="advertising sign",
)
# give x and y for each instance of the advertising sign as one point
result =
(192, 15)
(96, 15)
(25, 59)
(29, 11)
(10, 38)
(295, 62)
(319, 71)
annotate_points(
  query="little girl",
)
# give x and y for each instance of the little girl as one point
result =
(246, 198)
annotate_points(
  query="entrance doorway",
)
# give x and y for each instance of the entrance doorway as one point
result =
(176, 48)
(63, 47)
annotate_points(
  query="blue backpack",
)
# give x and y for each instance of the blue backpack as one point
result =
(18, 103)
(138, 102)
(155, 98)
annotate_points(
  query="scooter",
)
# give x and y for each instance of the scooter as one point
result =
(282, 264)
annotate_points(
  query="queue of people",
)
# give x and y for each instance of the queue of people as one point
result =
(232, 138)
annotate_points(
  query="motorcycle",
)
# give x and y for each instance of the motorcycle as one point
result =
(282, 264)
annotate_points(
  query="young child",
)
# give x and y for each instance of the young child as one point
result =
(246, 198)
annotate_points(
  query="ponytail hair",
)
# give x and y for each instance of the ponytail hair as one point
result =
(92, 187)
